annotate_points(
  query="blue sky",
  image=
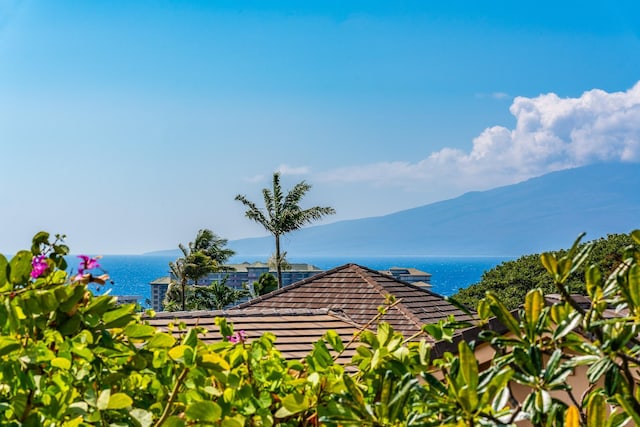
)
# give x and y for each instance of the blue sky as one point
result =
(130, 125)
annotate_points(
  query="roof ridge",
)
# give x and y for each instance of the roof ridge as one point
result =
(295, 285)
(400, 306)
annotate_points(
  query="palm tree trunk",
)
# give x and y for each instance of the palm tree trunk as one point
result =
(278, 262)
(183, 300)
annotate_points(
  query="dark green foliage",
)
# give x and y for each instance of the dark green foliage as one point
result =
(511, 280)
(206, 254)
(266, 283)
(216, 296)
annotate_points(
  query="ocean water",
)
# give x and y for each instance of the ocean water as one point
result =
(131, 274)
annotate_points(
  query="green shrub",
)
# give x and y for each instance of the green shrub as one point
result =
(70, 358)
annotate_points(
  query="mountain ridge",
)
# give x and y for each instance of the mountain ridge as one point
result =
(542, 213)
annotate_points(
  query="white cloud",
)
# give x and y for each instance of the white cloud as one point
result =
(551, 133)
(293, 170)
(254, 178)
(493, 95)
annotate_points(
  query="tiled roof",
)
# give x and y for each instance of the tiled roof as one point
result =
(405, 270)
(161, 281)
(357, 292)
(295, 329)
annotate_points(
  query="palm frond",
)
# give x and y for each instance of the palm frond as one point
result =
(296, 194)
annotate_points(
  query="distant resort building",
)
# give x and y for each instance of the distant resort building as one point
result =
(128, 299)
(251, 272)
(159, 288)
(238, 274)
(410, 275)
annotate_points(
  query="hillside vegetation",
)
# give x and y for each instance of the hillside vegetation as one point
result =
(511, 280)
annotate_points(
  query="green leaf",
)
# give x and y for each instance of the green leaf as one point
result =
(117, 318)
(628, 408)
(204, 411)
(174, 421)
(581, 256)
(184, 354)
(596, 411)
(61, 362)
(119, 401)
(236, 421)
(468, 398)
(4, 264)
(191, 338)
(542, 401)
(635, 234)
(634, 284)
(484, 309)
(334, 339)
(533, 304)
(292, 404)
(40, 238)
(356, 395)
(8, 344)
(593, 278)
(549, 262)
(161, 340)
(20, 267)
(139, 331)
(503, 314)
(567, 325)
(596, 370)
(468, 365)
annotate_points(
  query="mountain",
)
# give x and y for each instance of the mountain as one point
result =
(543, 213)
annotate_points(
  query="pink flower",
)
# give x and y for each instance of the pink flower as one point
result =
(238, 337)
(39, 265)
(87, 263)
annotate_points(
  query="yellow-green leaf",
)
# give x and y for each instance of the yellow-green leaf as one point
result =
(161, 340)
(596, 411)
(204, 411)
(468, 365)
(61, 362)
(119, 401)
(293, 404)
(549, 262)
(533, 304)
(139, 331)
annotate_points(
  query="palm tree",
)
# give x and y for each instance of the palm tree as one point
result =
(211, 245)
(177, 269)
(216, 296)
(283, 213)
(206, 254)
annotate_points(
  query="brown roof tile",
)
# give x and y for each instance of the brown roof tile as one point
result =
(295, 329)
(357, 292)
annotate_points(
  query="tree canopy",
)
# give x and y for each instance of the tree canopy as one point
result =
(511, 280)
(206, 254)
(282, 213)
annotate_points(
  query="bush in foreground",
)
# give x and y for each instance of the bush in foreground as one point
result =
(70, 358)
